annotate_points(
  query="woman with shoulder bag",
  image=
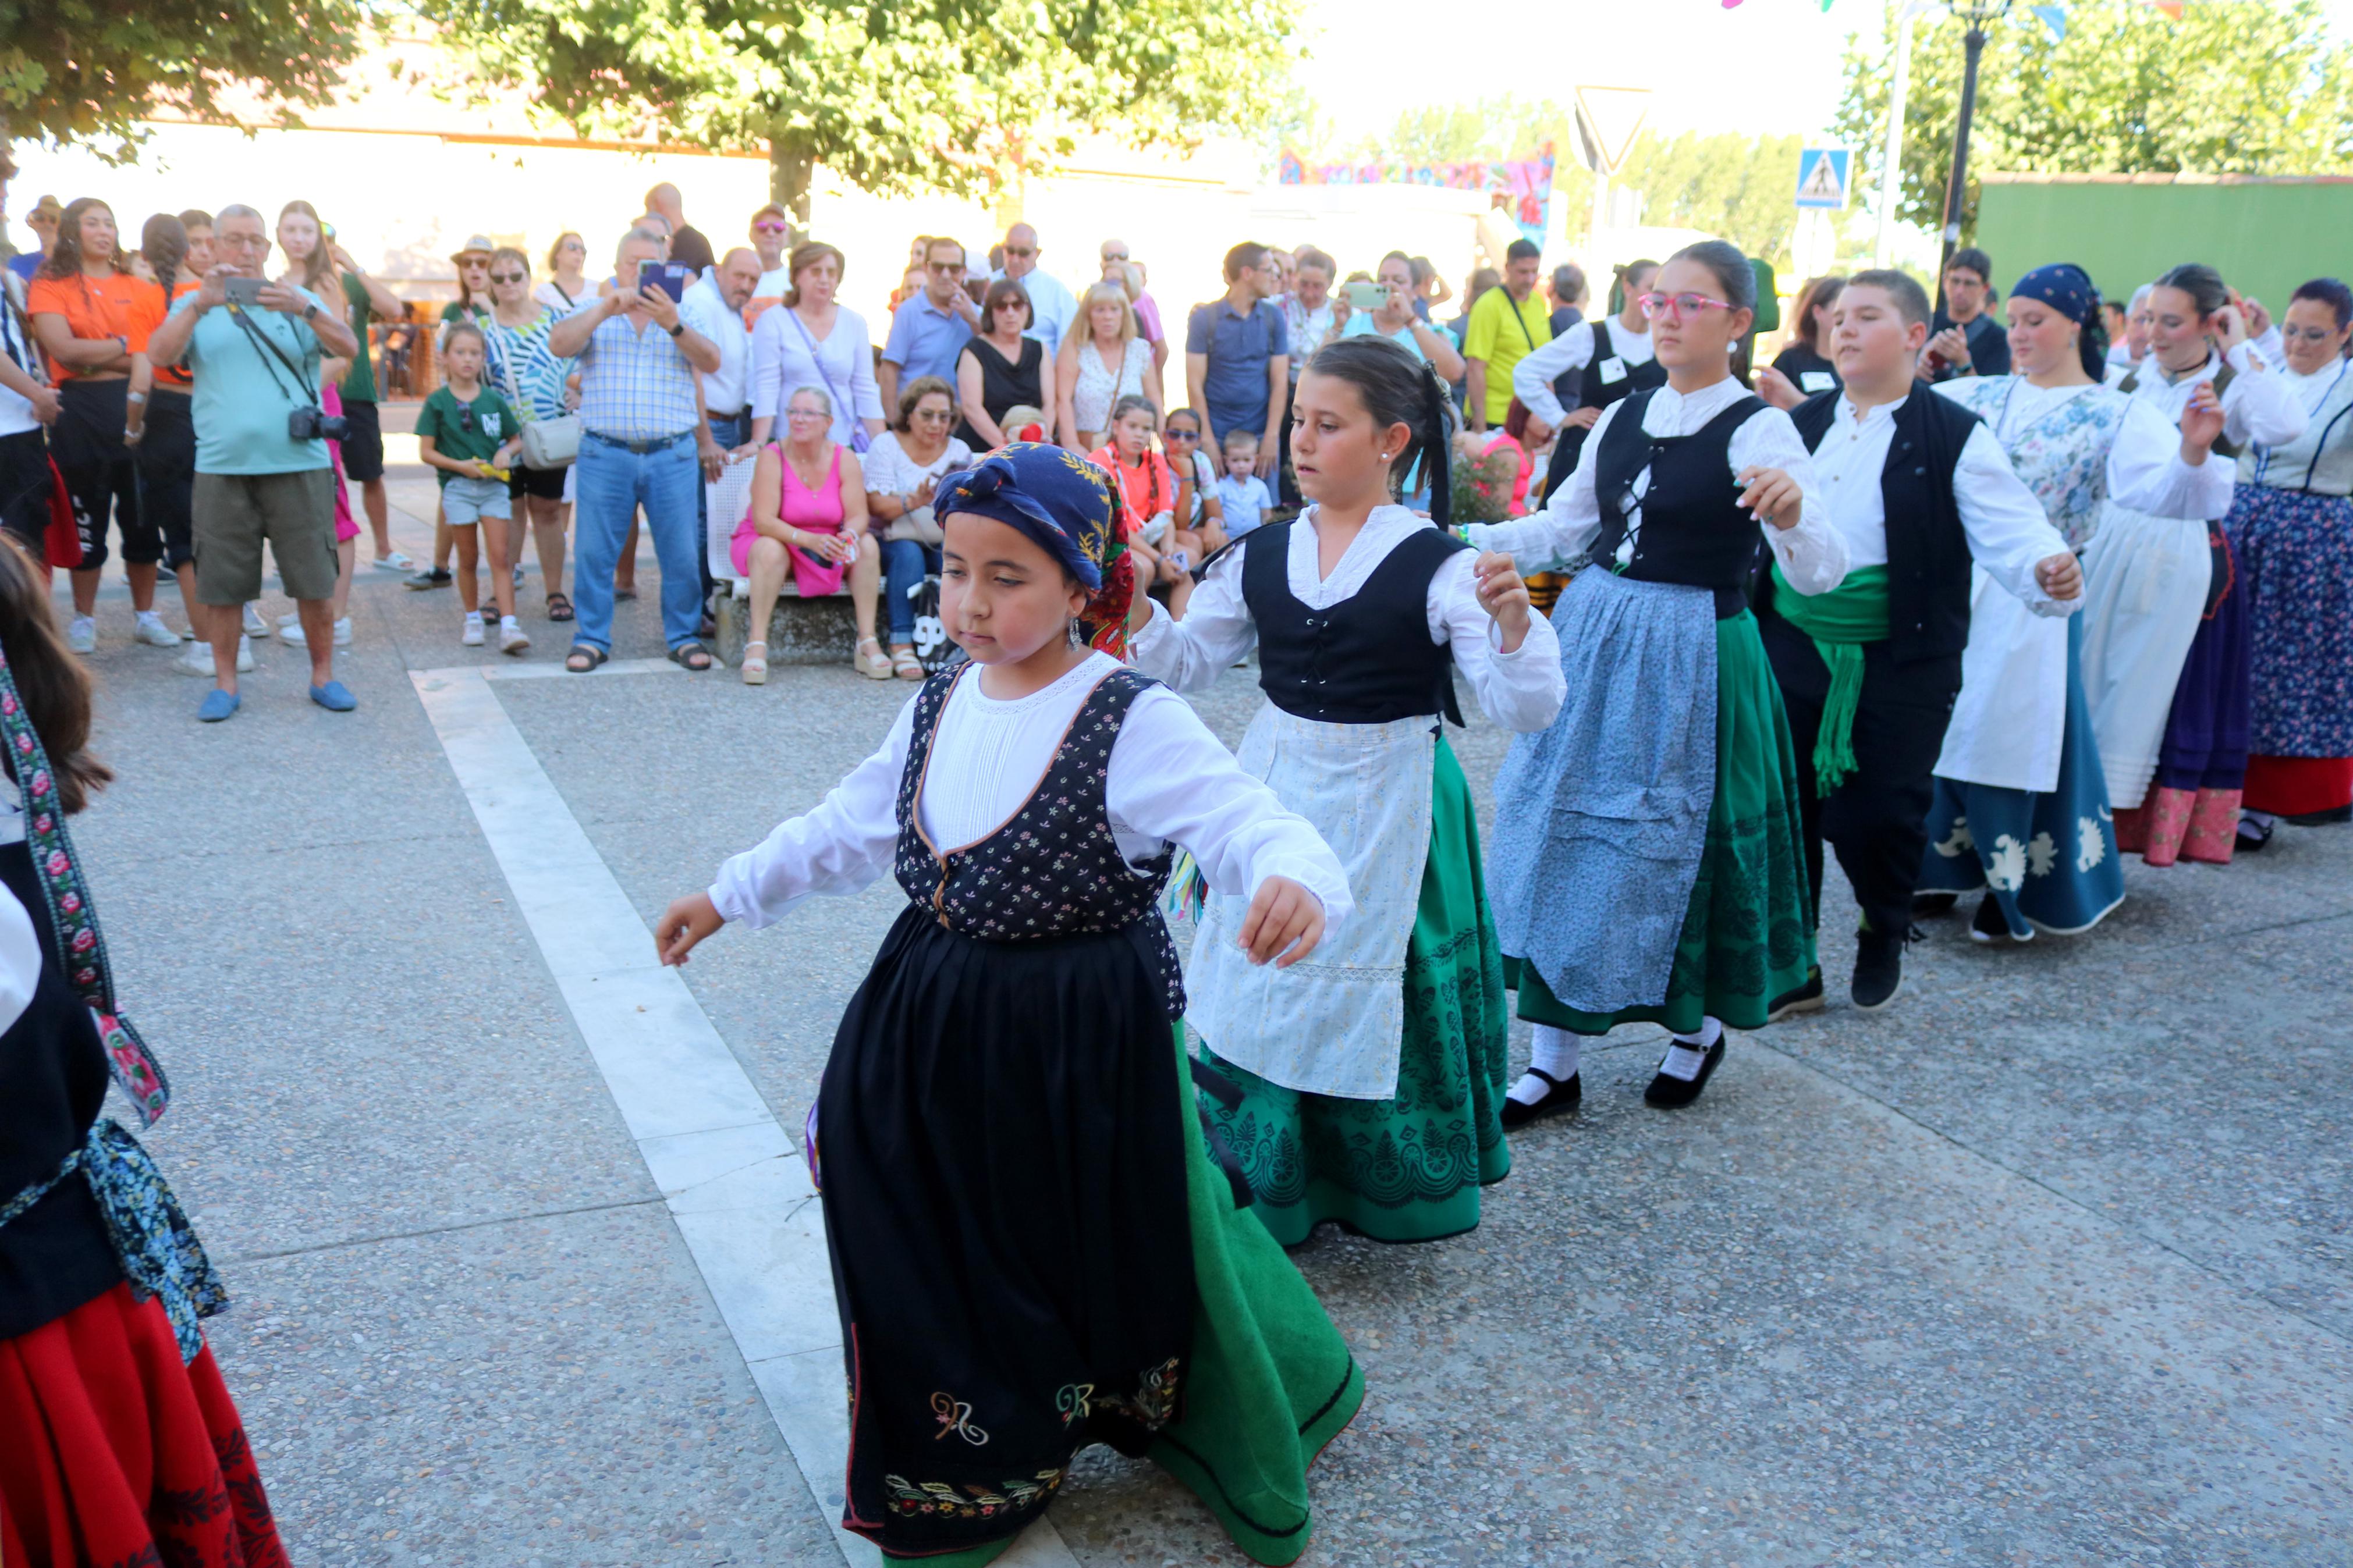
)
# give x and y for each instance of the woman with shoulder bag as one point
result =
(534, 379)
(902, 470)
(815, 341)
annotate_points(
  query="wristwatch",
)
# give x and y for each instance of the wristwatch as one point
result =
(677, 329)
(310, 309)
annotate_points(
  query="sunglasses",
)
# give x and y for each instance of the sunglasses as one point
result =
(948, 269)
(1175, 435)
(510, 277)
(1675, 307)
(1021, 250)
(768, 228)
(1115, 256)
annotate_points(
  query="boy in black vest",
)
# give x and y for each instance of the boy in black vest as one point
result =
(1919, 489)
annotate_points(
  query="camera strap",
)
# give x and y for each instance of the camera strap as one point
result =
(238, 313)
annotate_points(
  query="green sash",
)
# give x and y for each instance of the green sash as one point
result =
(1840, 622)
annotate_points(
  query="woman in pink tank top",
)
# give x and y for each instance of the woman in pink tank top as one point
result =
(808, 517)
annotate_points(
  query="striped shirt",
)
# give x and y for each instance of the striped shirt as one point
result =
(520, 367)
(634, 385)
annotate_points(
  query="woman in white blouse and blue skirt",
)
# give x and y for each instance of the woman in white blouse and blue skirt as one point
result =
(1648, 861)
(1372, 1080)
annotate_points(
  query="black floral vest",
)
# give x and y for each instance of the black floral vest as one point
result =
(1053, 868)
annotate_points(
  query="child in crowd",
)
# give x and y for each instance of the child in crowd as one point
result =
(1149, 491)
(1243, 495)
(469, 433)
(1197, 506)
(1032, 1250)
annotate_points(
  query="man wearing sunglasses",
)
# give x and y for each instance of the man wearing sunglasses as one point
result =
(929, 330)
(1053, 305)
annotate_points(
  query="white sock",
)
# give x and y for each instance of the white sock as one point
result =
(2261, 821)
(509, 624)
(1555, 1054)
(1688, 1053)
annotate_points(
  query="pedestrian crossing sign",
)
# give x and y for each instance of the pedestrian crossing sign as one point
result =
(1823, 177)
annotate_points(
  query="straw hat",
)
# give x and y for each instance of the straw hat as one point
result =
(476, 245)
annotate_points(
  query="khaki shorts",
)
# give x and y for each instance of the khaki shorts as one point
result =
(234, 513)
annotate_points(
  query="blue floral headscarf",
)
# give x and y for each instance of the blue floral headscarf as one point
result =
(2064, 287)
(1066, 506)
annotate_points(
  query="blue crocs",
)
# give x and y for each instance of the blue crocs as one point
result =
(218, 705)
(334, 696)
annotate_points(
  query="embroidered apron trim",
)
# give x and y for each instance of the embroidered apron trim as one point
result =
(81, 954)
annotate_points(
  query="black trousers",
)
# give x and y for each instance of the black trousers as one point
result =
(1877, 818)
(25, 486)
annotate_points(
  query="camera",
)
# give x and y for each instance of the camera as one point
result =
(315, 425)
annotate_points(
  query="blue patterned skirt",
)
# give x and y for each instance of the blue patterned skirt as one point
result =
(2295, 576)
(2050, 861)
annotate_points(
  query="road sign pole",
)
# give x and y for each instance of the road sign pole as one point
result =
(1891, 168)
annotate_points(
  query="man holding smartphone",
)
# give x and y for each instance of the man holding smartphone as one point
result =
(262, 470)
(638, 423)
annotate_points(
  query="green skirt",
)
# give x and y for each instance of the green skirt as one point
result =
(1270, 1381)
(1748, 934)
(1408, 1168)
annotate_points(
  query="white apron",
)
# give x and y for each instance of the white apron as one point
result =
(2144, 581)
(1333, 1023)
(2011, 719)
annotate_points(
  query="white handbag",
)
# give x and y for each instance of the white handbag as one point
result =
(551, 443)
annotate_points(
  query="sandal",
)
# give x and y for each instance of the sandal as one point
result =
(584, 658)
(686, 653)
(875, 666)
(559, 608)
(756, 665)
(630, 593)
(905, 665)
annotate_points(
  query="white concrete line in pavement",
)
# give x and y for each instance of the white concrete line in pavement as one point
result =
(735, 1187)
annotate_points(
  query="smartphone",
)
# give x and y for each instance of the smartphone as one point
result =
(1366, 296)
(245, 291)
(670, 276)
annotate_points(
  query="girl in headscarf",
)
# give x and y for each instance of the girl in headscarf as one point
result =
(1031, 1248)
(2021, 805)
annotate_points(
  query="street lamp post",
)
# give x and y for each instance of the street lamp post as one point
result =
(1977, 14)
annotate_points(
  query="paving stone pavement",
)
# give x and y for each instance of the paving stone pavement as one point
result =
(2047, 1265)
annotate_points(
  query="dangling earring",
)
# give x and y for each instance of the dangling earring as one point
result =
(1077, 640)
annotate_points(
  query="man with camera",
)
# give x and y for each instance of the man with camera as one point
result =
(262, 469)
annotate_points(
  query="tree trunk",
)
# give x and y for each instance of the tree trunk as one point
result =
(789, 169)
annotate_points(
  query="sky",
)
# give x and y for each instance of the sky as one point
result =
(1764, 67)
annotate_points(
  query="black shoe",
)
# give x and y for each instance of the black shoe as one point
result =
(1561, 1097)
(2335, 816)
(431, 577)
(1806, 999)
(1934, 904)
(1878, 967)
(1990, 925)
(1674, 1093)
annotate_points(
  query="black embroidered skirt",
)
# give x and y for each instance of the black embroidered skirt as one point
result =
(1000, 1138)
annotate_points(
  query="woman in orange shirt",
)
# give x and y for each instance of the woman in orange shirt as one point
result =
(85, 306)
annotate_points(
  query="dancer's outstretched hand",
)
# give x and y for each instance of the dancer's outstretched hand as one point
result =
(684, 924)
(1284, 919)
(1504, 593)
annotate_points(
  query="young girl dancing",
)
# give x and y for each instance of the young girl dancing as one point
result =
(1649, 862)
(1373, 1079)
(119, 1442)
(1031, 1251)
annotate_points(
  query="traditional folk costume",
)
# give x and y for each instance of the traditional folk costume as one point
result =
(2165, 649)
(119, 1442)
(1647, 860)
(1919, 489)
(1031, 1249)
(1372, 1076)
(2022, 806)
(2290, 534)
(1614, 362)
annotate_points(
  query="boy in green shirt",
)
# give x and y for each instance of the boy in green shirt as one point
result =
(469, 433)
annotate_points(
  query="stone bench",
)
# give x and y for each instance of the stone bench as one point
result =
(801, 631)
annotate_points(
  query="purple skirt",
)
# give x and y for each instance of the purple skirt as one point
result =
(2205, 744)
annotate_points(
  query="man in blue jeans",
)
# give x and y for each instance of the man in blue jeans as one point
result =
(637, 429)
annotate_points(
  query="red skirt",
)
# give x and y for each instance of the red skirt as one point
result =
(112, 1453)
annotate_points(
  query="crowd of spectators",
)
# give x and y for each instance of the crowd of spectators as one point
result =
(623, 401)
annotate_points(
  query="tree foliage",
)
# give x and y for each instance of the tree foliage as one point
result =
(87, 71)
(892, 96)
(2251, 88)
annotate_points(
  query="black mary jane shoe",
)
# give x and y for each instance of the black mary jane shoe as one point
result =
(1929, 905)
(1990, 925)
(2250, 838)
(1564, 1095)
(1806, 999)
(1674, 1093)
